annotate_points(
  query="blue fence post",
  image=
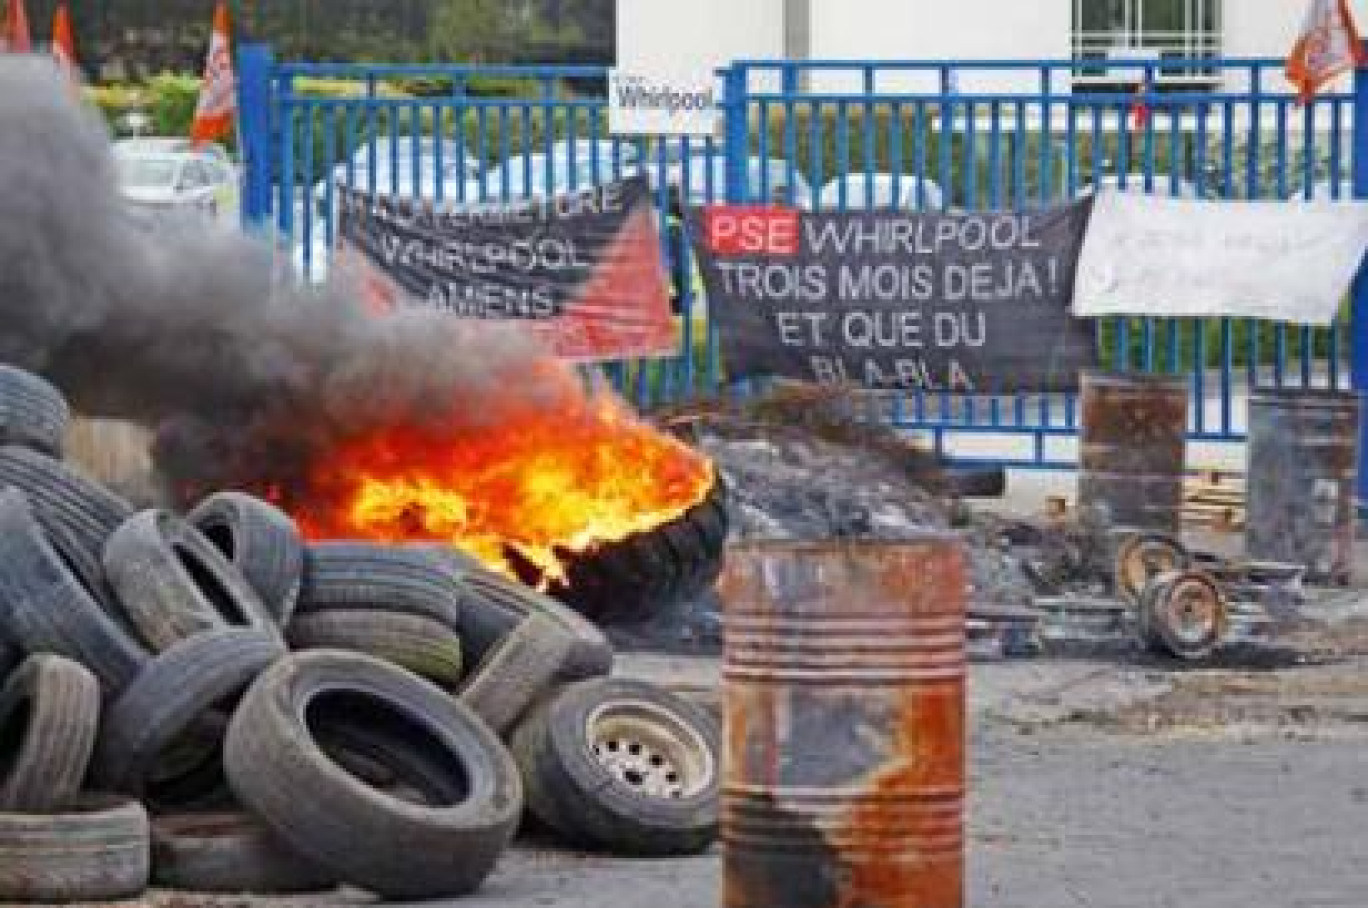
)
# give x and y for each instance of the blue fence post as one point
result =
(256, 63)
(737, 142)
(1359, 314)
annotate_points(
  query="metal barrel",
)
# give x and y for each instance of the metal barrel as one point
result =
(1132, 447)
(1301, 480)
(844, 672)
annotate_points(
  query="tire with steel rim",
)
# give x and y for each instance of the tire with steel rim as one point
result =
(623, 766)
(1142, 556)
(1183, 614)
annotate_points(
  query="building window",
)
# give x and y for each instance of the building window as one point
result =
(1162, 29)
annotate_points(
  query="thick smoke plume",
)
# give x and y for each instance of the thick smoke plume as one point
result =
(184, 329)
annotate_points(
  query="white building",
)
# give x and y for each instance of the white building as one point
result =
(699, 34)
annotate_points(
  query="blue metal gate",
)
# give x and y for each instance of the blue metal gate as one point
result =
(923, 134)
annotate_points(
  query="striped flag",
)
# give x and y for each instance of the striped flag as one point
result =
(1327, 46)
(218, 96)
(64, 44)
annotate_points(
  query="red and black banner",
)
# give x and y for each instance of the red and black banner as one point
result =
(582, 269)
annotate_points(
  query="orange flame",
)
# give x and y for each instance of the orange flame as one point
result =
(531, 485)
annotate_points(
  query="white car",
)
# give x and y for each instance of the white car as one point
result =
(158, 180)
(535, 175)
(882, 191)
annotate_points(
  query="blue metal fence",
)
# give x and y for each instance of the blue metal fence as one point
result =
(924, 134)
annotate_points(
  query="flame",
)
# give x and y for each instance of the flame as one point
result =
(531, 487)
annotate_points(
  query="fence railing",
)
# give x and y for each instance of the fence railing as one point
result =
(845, 134)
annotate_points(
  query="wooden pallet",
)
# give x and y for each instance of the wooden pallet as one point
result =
(1216, 500)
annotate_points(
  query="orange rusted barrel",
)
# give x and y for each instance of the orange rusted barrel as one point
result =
(844, 698)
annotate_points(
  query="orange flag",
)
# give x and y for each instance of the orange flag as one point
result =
(63, 44)
(218, 96)
(15, 35)
(1327, 46)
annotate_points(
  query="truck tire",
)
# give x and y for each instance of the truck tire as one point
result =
(650, 572)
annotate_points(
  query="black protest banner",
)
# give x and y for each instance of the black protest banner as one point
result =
(962, 303)
(582, 269)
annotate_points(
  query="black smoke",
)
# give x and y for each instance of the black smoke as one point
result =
(194, 331)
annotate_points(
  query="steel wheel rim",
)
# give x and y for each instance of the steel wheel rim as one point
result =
(1140, 559)
(649, 751)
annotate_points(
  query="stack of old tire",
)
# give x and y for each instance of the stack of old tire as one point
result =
(203, 702)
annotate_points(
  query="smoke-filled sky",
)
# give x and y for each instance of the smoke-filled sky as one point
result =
(182, 330)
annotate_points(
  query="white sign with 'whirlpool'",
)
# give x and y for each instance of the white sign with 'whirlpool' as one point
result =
(661, 104)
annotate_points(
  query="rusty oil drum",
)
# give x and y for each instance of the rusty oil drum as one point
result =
(1301, 480)
(844, 697)
(1132, 445)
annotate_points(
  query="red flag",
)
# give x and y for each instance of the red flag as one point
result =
(1140, 109)
(15, 35)
(1327, 46)
(218, 96)
(63, 44)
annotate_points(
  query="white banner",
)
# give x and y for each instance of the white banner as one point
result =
(661, 104)
(1287, 261)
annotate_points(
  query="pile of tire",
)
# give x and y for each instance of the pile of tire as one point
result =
(204, 702)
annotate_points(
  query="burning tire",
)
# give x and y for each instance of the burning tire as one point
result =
(649, 573)
(231, 853)
(421, 645)
(36, 576)
(77, 513)
(444, 845)
(177, 689)
(352, 576)
(623, 766)
(494, 606)
(95, 851)
(33, 413)
(172, 583)
(516, 671)
(261, 541)
(49, 710)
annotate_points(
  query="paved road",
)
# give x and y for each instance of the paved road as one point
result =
(1092, 785)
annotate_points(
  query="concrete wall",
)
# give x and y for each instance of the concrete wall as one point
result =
(697, 34)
